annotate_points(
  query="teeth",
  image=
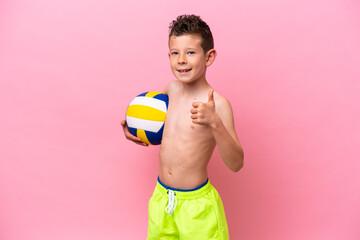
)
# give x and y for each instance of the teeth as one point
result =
(185, 70)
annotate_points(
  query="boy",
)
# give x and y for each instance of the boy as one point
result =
(184, 204)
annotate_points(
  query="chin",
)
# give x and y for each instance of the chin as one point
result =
(185, 80)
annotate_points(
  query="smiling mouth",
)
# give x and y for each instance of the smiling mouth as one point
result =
(184, 70)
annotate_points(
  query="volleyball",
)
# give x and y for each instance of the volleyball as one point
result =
(145, 116)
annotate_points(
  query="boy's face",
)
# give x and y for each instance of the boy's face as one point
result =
(187, 59)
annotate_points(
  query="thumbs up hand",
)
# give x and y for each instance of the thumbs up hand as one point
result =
(204, 113)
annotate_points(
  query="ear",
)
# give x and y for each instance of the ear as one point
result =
(169, 54)
(210, 57)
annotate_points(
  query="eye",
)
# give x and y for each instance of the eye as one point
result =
(174, 53)
(191, 52)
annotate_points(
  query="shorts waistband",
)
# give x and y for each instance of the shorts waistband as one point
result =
(185, 193)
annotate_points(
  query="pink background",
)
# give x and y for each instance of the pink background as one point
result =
(68, 69)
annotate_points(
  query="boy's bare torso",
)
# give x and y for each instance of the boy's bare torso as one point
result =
(186, 148)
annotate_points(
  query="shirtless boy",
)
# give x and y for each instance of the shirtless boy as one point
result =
(184, 204)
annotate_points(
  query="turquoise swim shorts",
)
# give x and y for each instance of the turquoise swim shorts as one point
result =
(196, 214)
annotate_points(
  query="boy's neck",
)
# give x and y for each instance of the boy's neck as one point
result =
(195, 88)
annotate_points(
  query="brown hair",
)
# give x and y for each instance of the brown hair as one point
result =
(192, 24)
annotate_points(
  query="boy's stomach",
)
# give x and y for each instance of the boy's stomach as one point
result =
(183, 162)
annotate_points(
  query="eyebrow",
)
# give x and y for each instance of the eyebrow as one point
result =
(175, 49)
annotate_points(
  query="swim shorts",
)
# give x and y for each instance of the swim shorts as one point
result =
(193, 214)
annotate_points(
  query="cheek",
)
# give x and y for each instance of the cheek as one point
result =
(200, 66)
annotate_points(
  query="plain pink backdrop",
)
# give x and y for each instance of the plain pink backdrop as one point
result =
(68, 70)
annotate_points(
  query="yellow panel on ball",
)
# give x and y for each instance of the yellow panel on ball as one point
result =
(145, 112)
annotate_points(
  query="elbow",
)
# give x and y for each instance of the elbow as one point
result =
(237, 167)
(239, 164)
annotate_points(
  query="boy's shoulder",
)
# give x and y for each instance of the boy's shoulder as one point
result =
(172, 86)
(221, 102)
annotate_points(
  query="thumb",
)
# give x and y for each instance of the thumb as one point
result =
(211, 96)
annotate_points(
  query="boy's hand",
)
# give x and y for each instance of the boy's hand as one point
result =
(131, 137)
(204, 113)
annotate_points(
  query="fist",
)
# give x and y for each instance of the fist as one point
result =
(204, 113)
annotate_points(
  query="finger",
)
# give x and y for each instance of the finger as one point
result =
(139, 142)
(195, 121)
(196, 104)
(142, 144)
(211, 96)
(132, 138)
(194, 116)
(194, 110)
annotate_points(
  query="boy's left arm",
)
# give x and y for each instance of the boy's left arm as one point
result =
(221, 123)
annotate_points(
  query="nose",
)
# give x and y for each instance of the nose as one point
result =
(182, 59)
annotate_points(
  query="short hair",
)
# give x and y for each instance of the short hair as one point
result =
(192, 24)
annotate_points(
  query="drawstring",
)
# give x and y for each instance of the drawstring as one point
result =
(171, 205)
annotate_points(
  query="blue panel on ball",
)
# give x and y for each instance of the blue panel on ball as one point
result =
(155, 138)
(143, 94)
(163, 97)
(133, 131)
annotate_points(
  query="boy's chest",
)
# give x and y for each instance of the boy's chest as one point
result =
(179, 119)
